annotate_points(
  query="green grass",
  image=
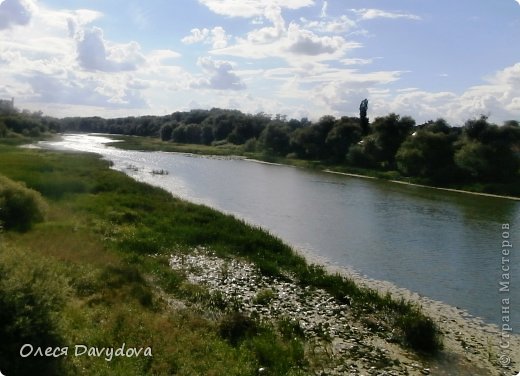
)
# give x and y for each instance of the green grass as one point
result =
(107, 239)
(154, 144)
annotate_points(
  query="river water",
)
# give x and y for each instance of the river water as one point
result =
(443, 245)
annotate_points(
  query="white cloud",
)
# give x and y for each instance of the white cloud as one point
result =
(196, 35)
(324, 7)
(326, 90)
(217, 37)
(95, 54)
(420, 104)
(357, 61)
(294, 44)
(269, 33)
(499, 98)
(518, 1)
(370, 14)
(59, 58)
(91, 50)
(162, 57)
(341, 98)
(15, 12)
(221, 75)
(78, 89)
(80, 18)
(305, 42)
(337, 25)
(58, 62)
(251, 8)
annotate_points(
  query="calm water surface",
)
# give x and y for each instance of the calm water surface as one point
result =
(443, 245)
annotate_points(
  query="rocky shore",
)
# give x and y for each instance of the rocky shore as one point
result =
(341, 343)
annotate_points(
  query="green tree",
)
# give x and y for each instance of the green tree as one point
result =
(223, 125)
(389, 133)
(275, 138)
(245, 128)
(309, 141)
(179, 134)
(207, 136)
(487, 152)
(363, 119)
(475, 159)
(166, 132)
(193, 133)
(365, 153)
(437, 126)
(428, 155)
(305, 142)
(345, 132)
(475, 129)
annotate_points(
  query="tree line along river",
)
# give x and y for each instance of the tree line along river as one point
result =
(443, 245)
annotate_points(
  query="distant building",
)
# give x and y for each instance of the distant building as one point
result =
(6, 105)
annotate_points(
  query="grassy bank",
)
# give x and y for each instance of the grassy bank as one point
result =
(96, 272)
(226, 149)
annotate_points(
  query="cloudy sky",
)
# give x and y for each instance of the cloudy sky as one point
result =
(303, 58)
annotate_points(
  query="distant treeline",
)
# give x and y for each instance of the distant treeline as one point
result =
(477, 152)
(26, 123)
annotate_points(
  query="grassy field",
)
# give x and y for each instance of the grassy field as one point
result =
(96, 272)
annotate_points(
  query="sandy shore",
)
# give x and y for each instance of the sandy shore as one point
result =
(471, 346)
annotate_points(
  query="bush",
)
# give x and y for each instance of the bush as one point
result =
(236, 326)
(264, 297)
(420, 333)
(32, 293)
(20, 207)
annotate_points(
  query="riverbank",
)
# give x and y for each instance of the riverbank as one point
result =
(425, 186)
(154, 144)
(111, 241)
(467, 340)
(357, 343)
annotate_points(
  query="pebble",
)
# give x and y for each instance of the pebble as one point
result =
(323, 320)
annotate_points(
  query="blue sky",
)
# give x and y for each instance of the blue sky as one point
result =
(301, 58)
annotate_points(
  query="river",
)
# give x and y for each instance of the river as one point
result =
(443, 245)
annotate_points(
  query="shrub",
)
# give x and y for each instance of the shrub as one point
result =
(420, 332)
(20, 207)
(236, 326)
(264, 297)
(32, 293)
